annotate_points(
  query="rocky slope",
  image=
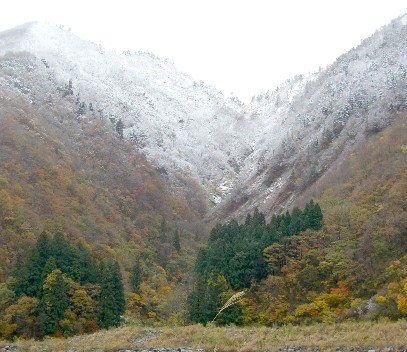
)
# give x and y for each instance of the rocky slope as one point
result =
(307, 126)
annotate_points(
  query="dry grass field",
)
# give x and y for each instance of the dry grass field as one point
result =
(380, 336)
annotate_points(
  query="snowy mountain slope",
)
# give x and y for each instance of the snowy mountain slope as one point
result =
(184, 127)
(265, 154)
(307, 126)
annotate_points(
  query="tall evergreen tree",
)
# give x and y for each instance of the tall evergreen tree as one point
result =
(30, 275)
(163, 230)
(315, 216)
(136, 276)
(84, 268)
(296, 223)
(63, 254)
(258, 217)
(112, 303)
(44, 246)
(248, 219)
(54, 300)
(49, 267)
(177, 242)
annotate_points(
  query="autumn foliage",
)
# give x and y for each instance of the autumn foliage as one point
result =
(64, 169)
(80, 206)
(353, 267)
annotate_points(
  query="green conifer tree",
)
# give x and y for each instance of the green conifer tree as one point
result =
(54, 300)
(177, 242)
(163, 230)
(315, 216)
(112, 303)
(296, 223)
(49, 267)
(136, 276)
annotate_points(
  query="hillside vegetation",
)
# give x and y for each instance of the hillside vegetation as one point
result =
(94, 236)
(354, 267)
(65, 169)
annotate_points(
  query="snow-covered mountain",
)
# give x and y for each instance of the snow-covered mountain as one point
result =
(184, 127)
(265, 154)
(310, 124)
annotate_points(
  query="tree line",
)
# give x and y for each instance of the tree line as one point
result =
(238, 255)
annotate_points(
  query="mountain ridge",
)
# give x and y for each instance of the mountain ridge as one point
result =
(158, 113)
(338, 108)
(189, 131)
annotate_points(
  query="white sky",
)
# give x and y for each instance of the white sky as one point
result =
(245, 47)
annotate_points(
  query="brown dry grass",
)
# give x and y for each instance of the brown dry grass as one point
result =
(379, 335)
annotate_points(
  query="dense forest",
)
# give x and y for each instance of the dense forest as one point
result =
(237, 256)
(61, 290)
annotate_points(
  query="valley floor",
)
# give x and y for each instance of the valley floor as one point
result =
(366, 336)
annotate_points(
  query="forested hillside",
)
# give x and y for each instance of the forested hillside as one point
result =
(353, 267)
(65, 169)
(106, 201)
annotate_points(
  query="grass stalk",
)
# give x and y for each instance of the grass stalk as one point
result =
(236, 298)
